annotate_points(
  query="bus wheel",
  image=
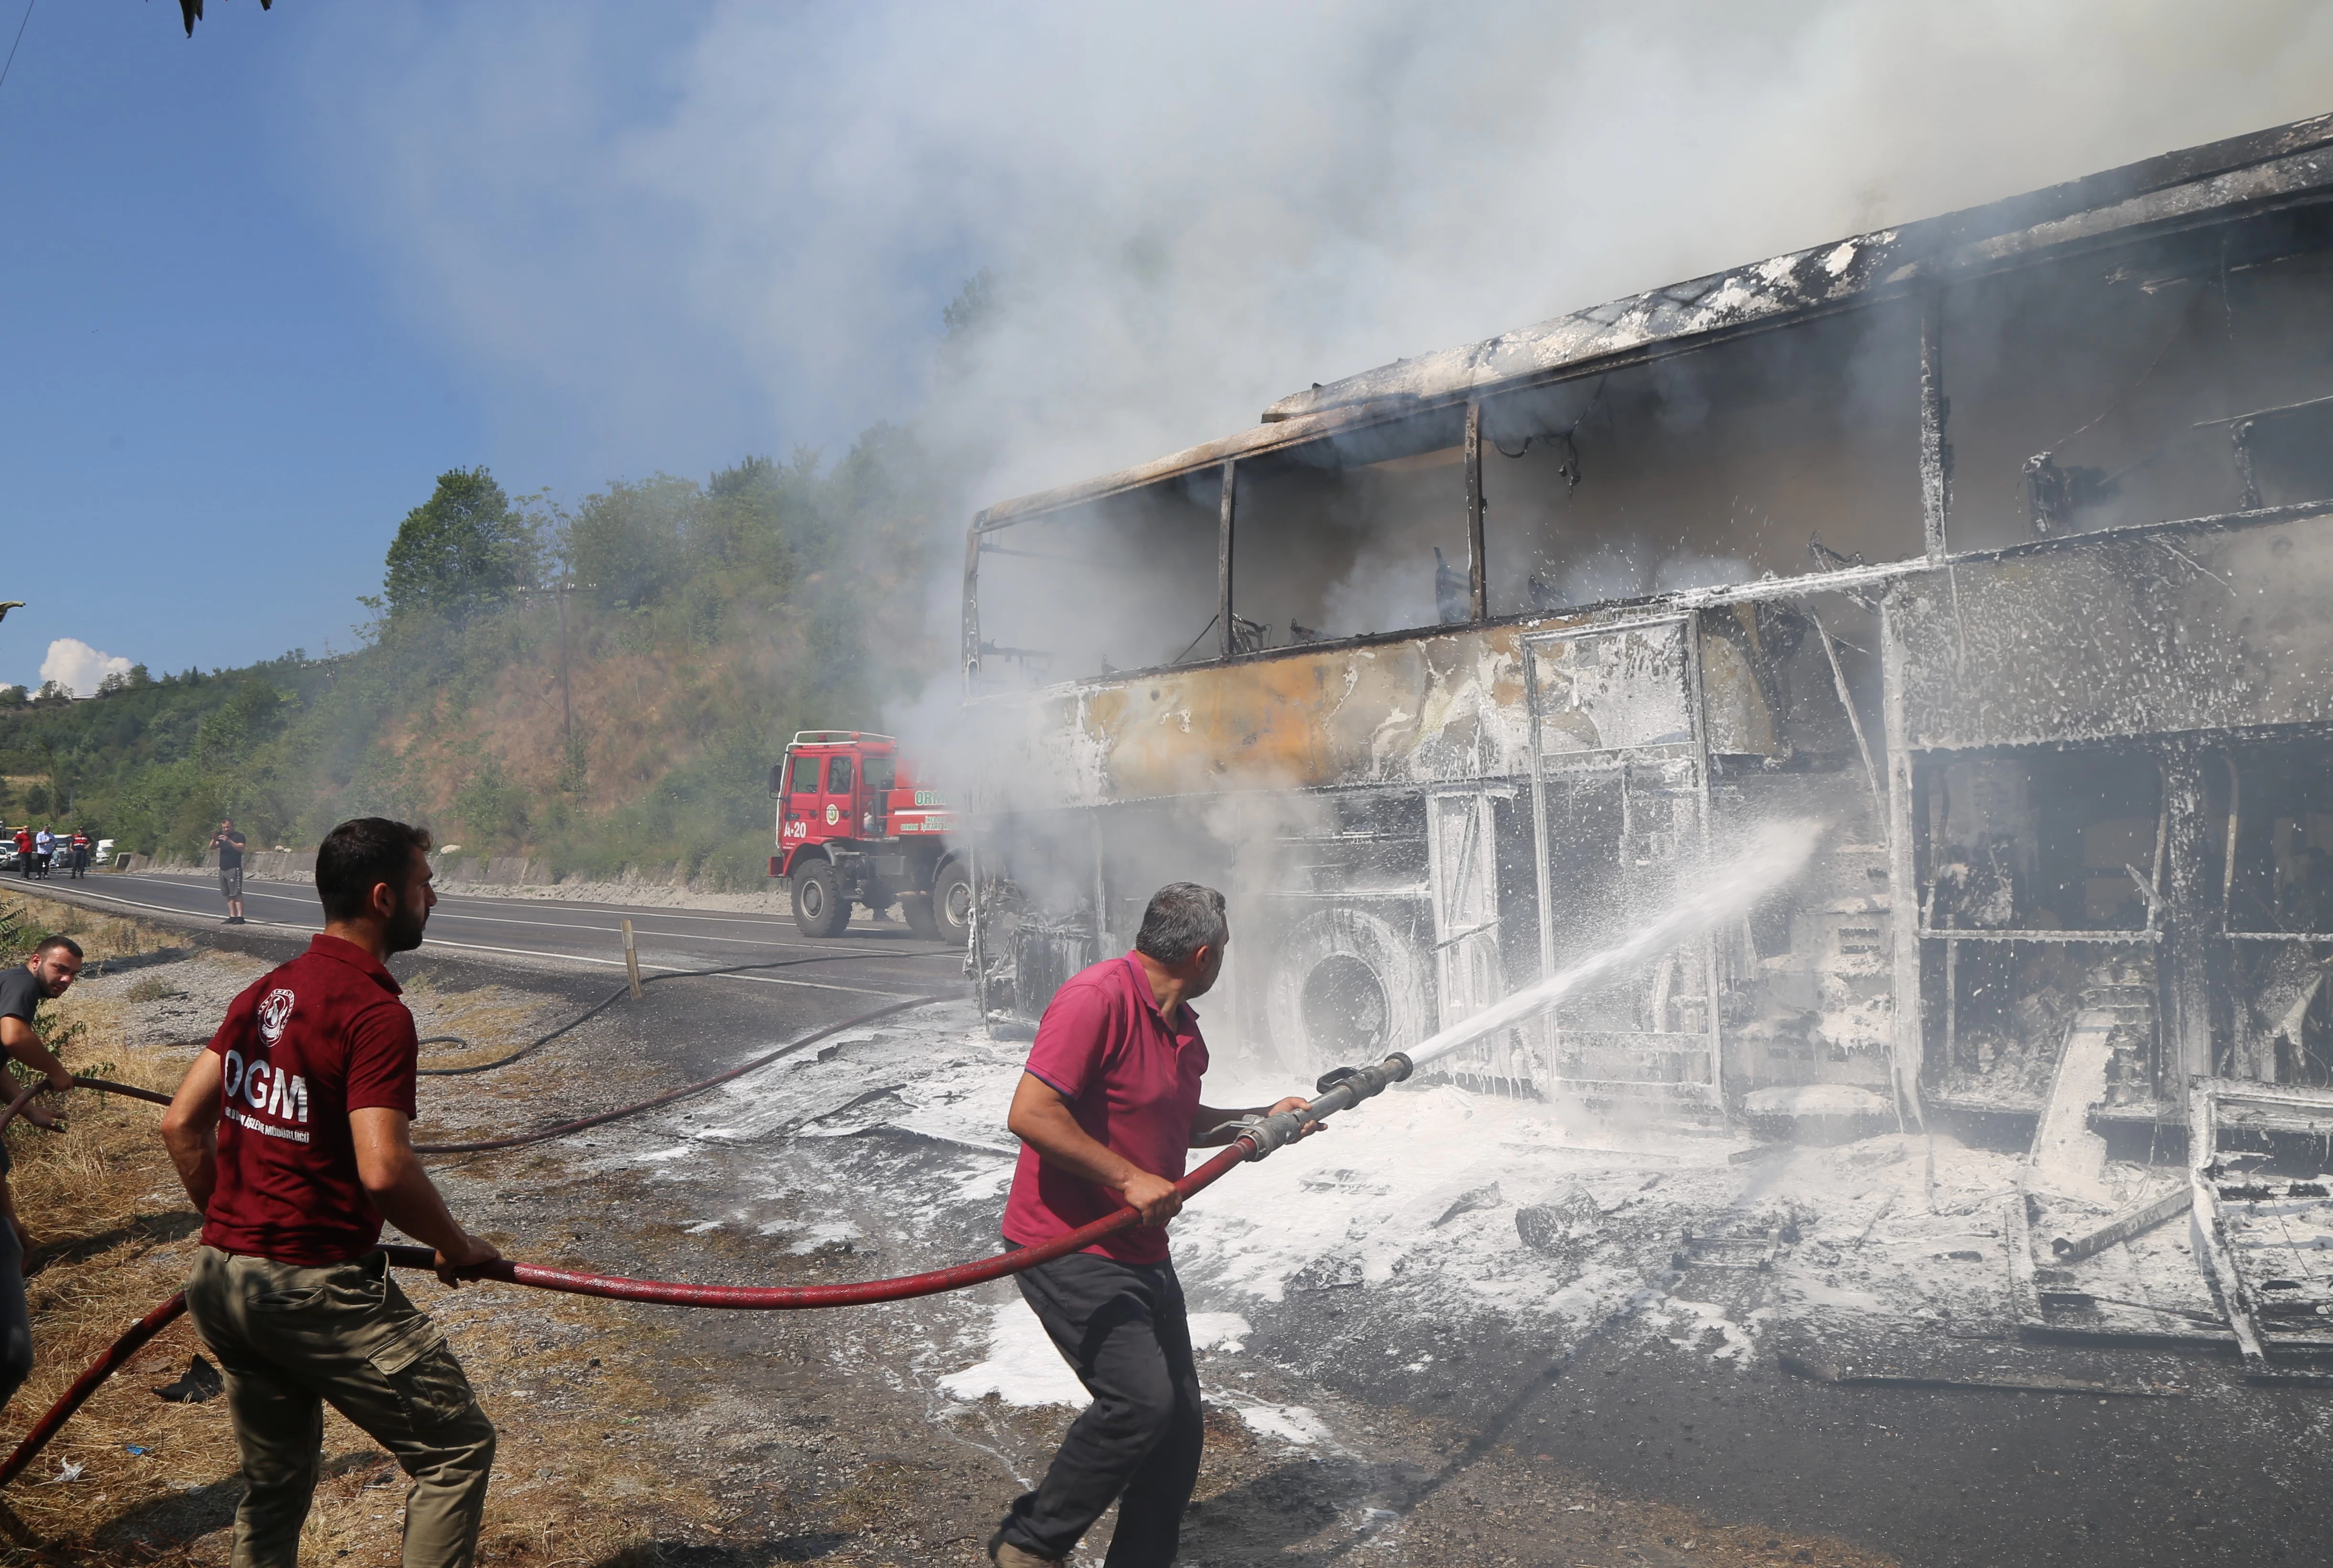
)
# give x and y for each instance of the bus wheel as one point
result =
(1345, 987)
(820, 908)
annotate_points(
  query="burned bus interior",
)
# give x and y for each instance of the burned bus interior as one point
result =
(2000, 546)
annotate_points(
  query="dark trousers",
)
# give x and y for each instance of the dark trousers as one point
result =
(15, 1323)
(1121, 1328)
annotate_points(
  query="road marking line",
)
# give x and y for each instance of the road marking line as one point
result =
(165, 908)
(650, 912)
(665, 968)
(566, 957)
(582, 906)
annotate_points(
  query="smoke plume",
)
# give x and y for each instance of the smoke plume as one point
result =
(640, 221)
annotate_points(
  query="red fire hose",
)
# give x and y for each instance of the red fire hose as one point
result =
(102, 1368)
(664, 1292)
(1253, 1141)
(562, 1129)
(796, 1298)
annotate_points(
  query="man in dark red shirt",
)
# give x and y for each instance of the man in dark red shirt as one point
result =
(1105, 1111)
(291, 1132)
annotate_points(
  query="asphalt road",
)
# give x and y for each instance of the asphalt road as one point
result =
(871, 961)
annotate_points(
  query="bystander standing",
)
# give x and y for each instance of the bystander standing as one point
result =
(229, 843)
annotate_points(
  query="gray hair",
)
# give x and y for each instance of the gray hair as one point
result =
(1182, 918)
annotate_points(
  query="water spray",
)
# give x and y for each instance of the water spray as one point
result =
(1777, 852)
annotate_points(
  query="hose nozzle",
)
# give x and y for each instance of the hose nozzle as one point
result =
(1340, 1089)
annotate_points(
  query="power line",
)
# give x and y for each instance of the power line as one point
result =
(20, 39)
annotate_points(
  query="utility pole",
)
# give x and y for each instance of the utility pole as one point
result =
(566, 708)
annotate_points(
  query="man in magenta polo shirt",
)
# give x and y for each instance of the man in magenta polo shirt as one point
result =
(1105, 1111)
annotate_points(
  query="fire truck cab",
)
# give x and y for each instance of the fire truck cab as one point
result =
(854, 826)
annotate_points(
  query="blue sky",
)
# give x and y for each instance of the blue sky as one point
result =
(215, 404)
(258, 288)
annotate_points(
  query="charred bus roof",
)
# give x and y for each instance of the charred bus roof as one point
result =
(2198, 187)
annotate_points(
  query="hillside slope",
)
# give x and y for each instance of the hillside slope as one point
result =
(702, 626)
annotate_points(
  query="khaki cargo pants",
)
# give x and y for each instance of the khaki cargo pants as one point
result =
(289, 1339)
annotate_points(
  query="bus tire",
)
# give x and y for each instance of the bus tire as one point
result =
(820, 907)
(1345, 988)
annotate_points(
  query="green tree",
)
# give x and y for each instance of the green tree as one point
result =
(465, 549)
(227, 734)
(627, 541)
(974, 306)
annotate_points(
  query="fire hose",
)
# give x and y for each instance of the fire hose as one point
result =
(562, 1129)
(1250, 1138)
(621, 992)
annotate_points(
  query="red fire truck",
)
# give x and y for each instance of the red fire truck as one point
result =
(854, 826)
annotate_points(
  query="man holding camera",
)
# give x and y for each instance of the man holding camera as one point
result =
(229, 844)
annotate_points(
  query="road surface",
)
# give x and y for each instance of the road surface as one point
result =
(870, 962)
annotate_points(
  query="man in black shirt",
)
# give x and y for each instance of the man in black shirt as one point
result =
(48, 974)
(229, 845)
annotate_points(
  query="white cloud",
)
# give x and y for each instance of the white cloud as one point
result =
(79, 667)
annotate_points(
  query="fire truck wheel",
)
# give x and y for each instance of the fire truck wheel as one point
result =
(918, 908)
(820, 908)
(952, 900)
(1345, 988)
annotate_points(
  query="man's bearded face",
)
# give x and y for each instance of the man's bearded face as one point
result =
(403, 934)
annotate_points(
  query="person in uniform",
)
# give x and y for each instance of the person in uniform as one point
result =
(291, 1133)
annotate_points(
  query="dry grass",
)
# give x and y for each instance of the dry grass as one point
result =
(101, 935)
(110, 1235)
(569, 1381)
(491, 1021)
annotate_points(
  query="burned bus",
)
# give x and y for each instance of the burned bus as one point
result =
(2001, 543)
